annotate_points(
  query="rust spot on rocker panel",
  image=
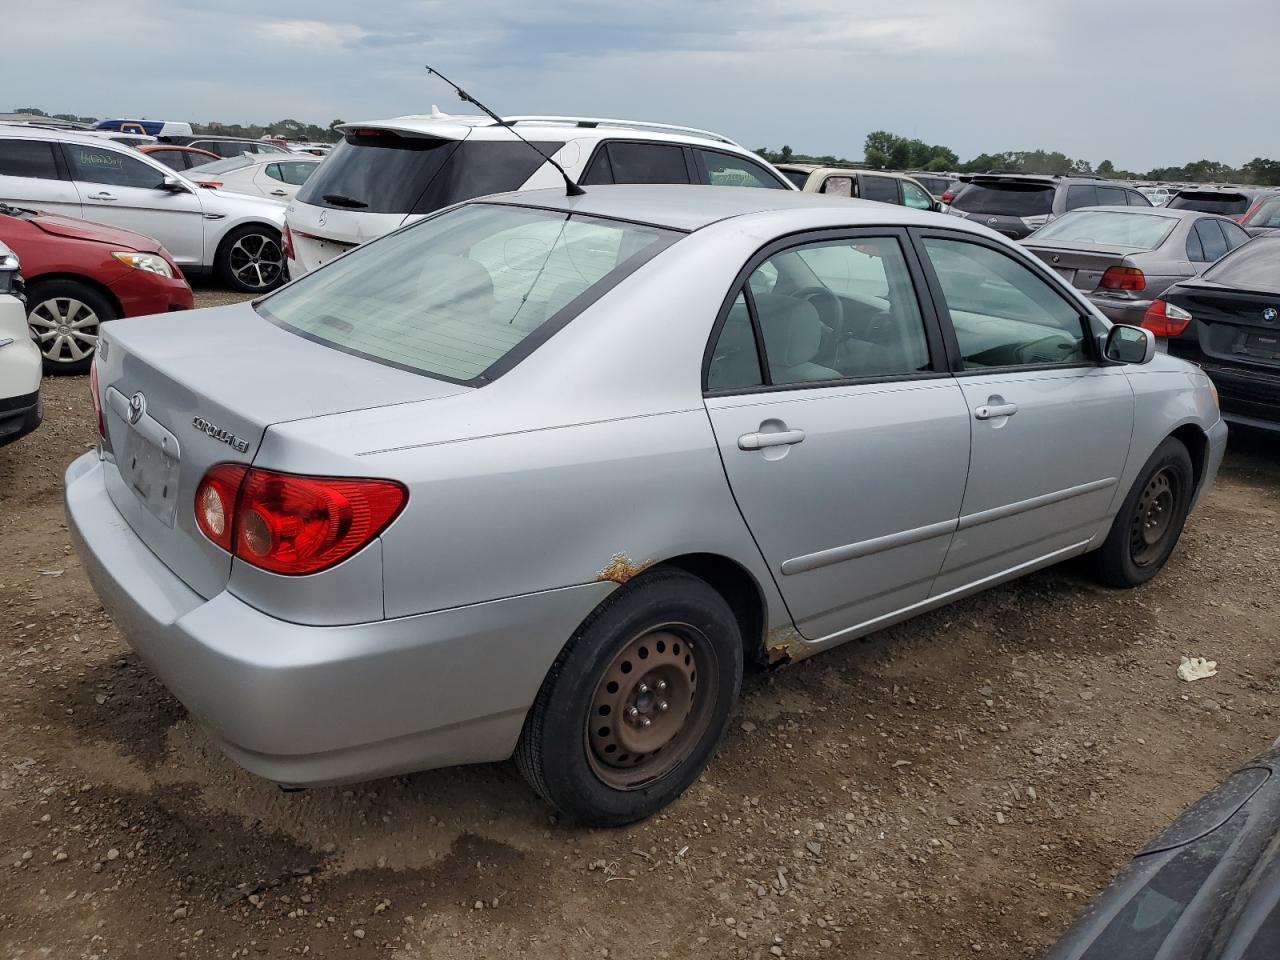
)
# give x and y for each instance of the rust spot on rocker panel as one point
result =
(621, 569)
(785, 645)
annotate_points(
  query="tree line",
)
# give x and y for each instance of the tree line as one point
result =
(888, 151)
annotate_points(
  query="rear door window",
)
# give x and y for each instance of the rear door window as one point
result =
(729, 170)
(1005, 198)
(647, 163)
(27, 158)
(838, 186)
(884, 189)
(1081, 195)
(1136, 199)
(1236, 235)
(91, 164)
(1212, 241)
(1111, 197)
(173, 159)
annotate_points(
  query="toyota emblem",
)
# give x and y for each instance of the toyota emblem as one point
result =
(137, 406)
(1269, 314)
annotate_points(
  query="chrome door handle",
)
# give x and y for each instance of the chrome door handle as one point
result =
(5, 341)
(989, 411)
(758, 441)
(102, 196)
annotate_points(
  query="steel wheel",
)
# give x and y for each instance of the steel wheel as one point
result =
(255, 260)
(1153, 520)
(65, 328)
(646, 713)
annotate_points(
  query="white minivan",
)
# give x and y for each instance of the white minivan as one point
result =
(384, 173)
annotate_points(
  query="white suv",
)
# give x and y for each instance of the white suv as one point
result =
(385, 173)
(234, 236)
(20, 358)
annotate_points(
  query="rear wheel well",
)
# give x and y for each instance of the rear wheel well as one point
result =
(739, 589)
(79, 278)
(1197, 444)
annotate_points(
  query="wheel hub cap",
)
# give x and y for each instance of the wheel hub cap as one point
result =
(644, 700)
(1153, 519)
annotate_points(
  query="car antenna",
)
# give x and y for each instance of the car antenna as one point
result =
(571, 189)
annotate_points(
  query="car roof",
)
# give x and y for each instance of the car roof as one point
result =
(1145, 211)
(688, 208)
(29, 132)
(456, 126)
(812, 168)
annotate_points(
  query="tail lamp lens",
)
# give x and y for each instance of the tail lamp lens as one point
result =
(1165, 319)
(292, 524)
(97, 399)
(1123, 278)
(286, 243)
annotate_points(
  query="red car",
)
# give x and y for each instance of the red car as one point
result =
(80, 274)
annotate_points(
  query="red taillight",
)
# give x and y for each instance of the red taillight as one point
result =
(286, 243)
(1166, 320)
(1123, 278)
(209, 184)
(97, 399)
(292, 524)
(948, 196)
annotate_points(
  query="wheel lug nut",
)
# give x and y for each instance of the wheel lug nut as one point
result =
(661, 685)
(643, 688)
(662, 706)
(646, 722)
(632, 713)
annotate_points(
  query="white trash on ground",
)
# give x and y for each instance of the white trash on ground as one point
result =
(1196, 668)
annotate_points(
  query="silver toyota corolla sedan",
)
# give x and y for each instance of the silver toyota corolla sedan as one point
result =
(539, 474)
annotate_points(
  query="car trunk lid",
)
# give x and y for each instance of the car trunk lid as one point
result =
(1232, 324)
(1081, 265)
(182, 392)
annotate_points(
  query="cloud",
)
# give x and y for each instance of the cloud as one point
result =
(1135, 82)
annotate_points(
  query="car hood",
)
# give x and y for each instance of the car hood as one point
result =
(74, 229)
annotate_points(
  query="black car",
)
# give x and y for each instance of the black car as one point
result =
(1208, 888)
(1234, 202)
(1228, 321)
(1017, 204)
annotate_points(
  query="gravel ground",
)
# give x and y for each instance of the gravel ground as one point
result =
(959, 785)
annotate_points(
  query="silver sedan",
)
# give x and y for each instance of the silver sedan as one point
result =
(539, 474)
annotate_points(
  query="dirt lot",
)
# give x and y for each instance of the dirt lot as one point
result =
(958, 785)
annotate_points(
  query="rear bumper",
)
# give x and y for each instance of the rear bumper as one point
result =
(19, 416)
(1249, 396)
(306, 705)
(1129, 312)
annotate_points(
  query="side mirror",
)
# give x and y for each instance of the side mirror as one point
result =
(173, 185)
(1126, 344)
(937, 206)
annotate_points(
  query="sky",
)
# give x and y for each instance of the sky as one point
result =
(1142, 83)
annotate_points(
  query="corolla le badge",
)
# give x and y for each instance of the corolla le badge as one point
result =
(137, 407)
(226, 436)
(1269, 314)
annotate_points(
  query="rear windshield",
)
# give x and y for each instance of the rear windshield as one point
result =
(1267, 214)
(381, 172)
(1006, 199)
(1140, 231)
(466, 294)
(1253, 266)
(1228, 204)
(798, 177)
(227, 165)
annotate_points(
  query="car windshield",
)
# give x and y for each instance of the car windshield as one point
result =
(454, 295)
(1010, 199)
(225, 166)
(377, 171)
(1267, 214)
(1228, 204)
(1252, 266)
(1140, 231)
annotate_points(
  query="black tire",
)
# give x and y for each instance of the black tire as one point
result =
(556, 753)
(83, 307)
(1150, 520)
(250, 259)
